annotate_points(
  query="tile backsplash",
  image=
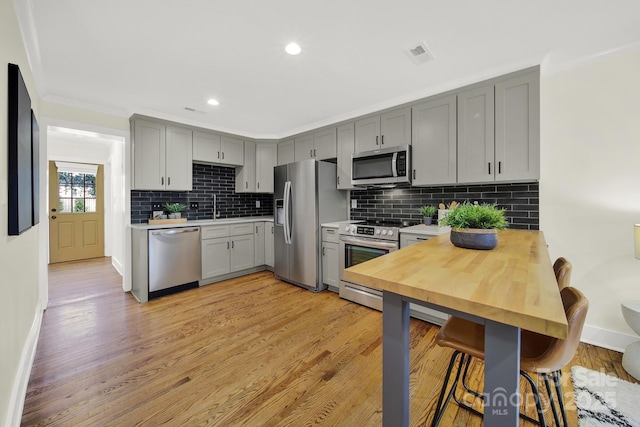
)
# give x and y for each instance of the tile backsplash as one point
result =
(207, 181)
(403, 202)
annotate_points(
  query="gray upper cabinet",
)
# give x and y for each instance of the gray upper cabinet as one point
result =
(266, 157)
(367, 134)
(517, 132)
(286, 152)
(246, 175)
(324, 144)
(319, 145)
(434, 141)
(499, 130)
(179, 166)
(476, 135)
(346, 146)
(389, 129)
(161, 156)
(303, 147)
(212, 148)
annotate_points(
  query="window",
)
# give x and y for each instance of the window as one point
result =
(76, 191)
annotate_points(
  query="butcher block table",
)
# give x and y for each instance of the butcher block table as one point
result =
(509, 288)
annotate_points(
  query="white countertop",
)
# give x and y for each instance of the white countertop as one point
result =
(426, 230)
(203, 222)
(337, 224)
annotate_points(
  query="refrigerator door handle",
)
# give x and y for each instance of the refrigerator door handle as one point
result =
(287, 203)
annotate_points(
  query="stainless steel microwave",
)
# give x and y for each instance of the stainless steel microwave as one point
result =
(387, 166)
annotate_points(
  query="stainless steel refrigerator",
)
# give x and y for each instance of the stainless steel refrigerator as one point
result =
(305, 196)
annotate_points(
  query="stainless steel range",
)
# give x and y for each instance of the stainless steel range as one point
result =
(362, 242)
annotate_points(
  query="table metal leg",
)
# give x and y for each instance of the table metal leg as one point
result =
(395, 360)
(501, 374)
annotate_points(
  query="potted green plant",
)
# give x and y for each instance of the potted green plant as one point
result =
(428, 212)
(474, 226)
(174, 209)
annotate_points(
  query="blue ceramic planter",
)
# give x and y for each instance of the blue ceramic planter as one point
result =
(472, 238)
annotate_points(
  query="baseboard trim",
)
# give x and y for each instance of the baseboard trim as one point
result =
(117, 265)
(21, 380)
(612, 340)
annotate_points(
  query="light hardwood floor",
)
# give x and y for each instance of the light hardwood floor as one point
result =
(252, 351)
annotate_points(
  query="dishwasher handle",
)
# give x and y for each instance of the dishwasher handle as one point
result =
(174, 231)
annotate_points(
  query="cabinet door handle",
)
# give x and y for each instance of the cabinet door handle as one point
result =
(338, 180)
(162, 180)
(489, 168)
(258, 185)
(414, 174)
(227, 245)
(499, 167)
(232, 244)
(218, 155)
(246, 184)
(169, 180)
(223, 155)
(314, 153)
(256, 229)
(323, 251)
(377, 140)
(382, 139)
(310, 153)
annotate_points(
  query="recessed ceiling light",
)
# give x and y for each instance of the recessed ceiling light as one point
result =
(293, 48)
(213, 102)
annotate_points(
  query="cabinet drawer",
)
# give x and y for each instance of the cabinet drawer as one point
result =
(330, 235)
(214, 231)
(240, 229)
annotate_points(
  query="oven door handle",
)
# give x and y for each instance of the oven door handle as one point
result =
(376, 244)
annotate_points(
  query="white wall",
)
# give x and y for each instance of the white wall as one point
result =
(19, 279)
(590, 185)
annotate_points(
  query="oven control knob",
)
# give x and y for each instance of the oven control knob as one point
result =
(390, 233)
(347, 228)
(377, 231)
(353, 228)
(384, 232)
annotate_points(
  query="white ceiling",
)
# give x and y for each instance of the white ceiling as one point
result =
(156, 57)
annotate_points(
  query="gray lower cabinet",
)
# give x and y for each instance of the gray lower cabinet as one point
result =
(407, 239)
(499, 130)
(259, 246)
(330, 258)
(216, 257)
(227, 249)
(418, 311)
(268, 243)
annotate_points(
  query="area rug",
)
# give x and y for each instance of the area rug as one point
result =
(604, 400)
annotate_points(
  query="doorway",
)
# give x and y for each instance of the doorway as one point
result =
(76, 211)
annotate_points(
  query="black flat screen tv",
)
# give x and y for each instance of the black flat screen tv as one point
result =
(20, 178)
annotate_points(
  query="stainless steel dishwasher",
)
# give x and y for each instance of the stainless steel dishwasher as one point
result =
(174, 260)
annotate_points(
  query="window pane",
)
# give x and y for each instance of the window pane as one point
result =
(64, 205)
(90, 205)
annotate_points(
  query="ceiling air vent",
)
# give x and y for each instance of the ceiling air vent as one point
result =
(193, 110)
(420, 53)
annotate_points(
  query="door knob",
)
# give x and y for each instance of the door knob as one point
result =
(53, 210)
(53, 217)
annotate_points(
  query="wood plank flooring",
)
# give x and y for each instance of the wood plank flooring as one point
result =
(252, 351)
